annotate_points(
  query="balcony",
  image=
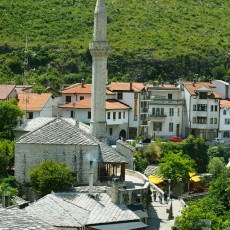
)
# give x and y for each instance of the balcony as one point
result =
(158, 115)
(143, 123)
(144, 110)
(167, 102)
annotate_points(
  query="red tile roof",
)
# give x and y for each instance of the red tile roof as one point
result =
(192, 87)
(33, 101)
(224, 104)
(5, 91)
(86, 104)
(126, 86)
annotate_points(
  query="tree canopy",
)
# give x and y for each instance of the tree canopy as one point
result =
(50, 176)
(10, 114)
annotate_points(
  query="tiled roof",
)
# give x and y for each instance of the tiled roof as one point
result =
(33, 124)
(102, 210)
(57, 131)
(33, 101)
(86, 104)
(60, 131)
(224, 104)
(58, 212)
(126, 86)
(5, 91)
(192, 87)
(152, 170)
(78, 89)
(11, 219)
(21, 88)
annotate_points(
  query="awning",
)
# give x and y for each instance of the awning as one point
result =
(193, 177)
(155, 180)
(120, 226)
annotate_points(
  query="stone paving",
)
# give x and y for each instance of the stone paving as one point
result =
(158, 218)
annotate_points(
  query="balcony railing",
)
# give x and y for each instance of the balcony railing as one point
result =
(144, 110)
(158, 115)
(144, 123)
(166, 102)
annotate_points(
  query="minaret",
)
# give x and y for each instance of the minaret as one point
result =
(99, 50)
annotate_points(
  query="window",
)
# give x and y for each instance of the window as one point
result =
(211, 108)
(170, 127)
(178, 112)
(119, 115)
(171, 112)
(123, 115)
(194, 107)
(211, 120)
(227, 121)
(227, 134)
(169, 96)
(119, 95)
(201, 107)
(30, 115)
(215, 120)
(135, 117)
(203, 95)
(108, 115)
(114, 115)
(201, 120)
(194, 120)
(71, 114)
(216, 108)
(81, 97)
(157, 126)
(224, 112)
(110, 131)
(157, 111)
(89, 114)
(67, 99)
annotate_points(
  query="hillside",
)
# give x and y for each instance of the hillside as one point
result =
(150, 39)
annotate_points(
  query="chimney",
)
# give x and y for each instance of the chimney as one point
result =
(131, 86)
(91, 179)
(77, 123)
(115, 191)
(82, 83)
(5, 198)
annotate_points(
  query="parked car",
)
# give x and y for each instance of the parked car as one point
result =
(218, 140)
(176, 139)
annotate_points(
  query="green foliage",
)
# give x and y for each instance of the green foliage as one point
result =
(10, 186)
(196, 148)
(176, 166)
(215, 207)
(50, 176)
(216, 166)
(6, 156)
(10, 113)
(219, 151)
(149, 39)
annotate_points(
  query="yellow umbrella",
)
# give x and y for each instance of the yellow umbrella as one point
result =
(155, 180)
(193, 177)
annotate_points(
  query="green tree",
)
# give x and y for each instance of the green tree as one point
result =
(10, 114)
(216, 166)
(176, 166)
(50, 176)
(219, 151)
(196, 148)
(6, 156)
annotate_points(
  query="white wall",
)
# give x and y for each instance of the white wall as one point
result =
(222, 88)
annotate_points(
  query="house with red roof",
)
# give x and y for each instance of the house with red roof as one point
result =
(202, 109)
(35, 104)
(7, 92)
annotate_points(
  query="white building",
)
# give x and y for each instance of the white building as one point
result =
(130, 94)
(163, 106)
(224, 125)
(202, 109)
(222, 88)
(36, 104)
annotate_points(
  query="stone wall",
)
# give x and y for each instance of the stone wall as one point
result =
(27, 156)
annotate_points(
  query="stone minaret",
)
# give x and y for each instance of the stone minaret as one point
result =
(99, 50)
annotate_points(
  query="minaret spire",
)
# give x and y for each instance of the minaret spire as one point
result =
(99, 50)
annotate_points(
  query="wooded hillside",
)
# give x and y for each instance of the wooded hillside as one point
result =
(150, 40)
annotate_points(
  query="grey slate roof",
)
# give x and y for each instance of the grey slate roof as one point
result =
(58, 212)
(102, 210)
(13, 219)
(63, 131)
(57, 131)
(152, 170)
